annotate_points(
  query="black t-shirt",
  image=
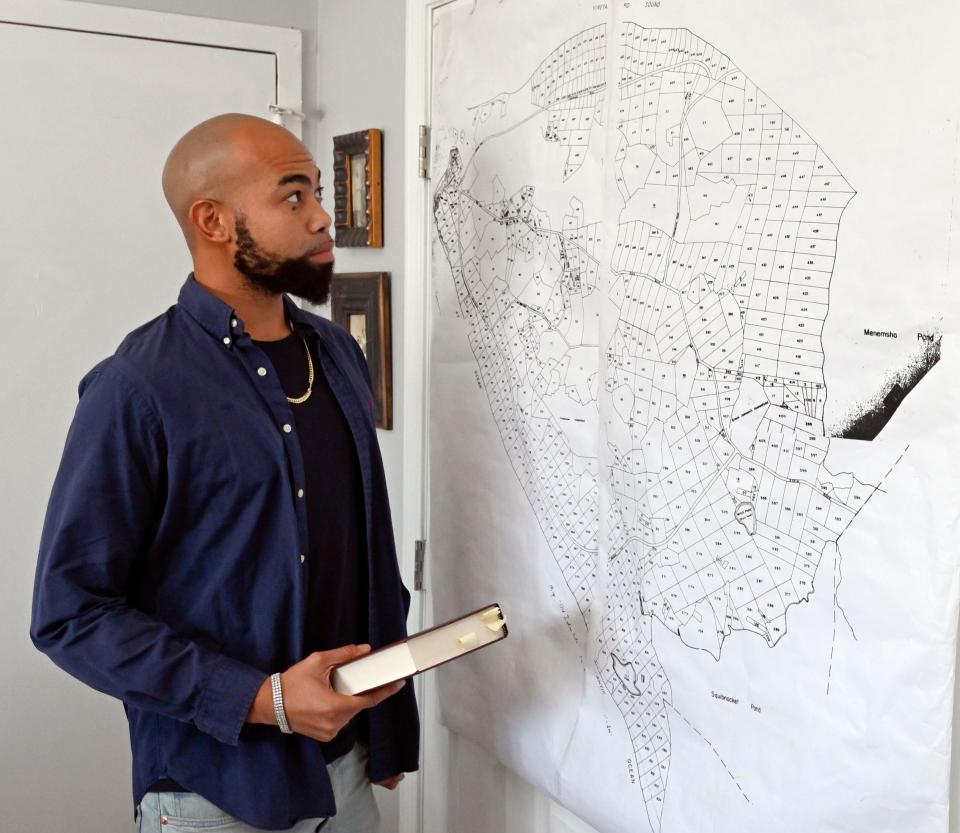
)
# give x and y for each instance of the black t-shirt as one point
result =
(337, 595)
(337, 555)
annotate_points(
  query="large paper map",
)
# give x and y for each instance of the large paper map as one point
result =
(636, 251)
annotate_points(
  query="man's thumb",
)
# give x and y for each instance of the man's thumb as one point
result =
(340, 656)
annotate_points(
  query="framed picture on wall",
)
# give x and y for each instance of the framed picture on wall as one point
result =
(358, 188)
(360, 303)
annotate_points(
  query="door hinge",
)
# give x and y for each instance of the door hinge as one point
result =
(424, 157)
(418, 551)
(279, 112)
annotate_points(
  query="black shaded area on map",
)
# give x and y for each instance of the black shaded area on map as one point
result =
(869, 420)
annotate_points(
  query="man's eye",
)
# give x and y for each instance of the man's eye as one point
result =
(299, 196)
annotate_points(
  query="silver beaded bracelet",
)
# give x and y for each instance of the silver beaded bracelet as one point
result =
(278, 705)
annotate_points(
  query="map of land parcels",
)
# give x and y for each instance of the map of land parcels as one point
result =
(650, 346)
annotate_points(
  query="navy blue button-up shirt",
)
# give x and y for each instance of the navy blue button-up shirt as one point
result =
(171, 571)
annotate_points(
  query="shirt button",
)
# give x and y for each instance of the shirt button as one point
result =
(226, 340)
(233, 322)
(299, 492)
(287, 428)
(261, 371)
(302, 558)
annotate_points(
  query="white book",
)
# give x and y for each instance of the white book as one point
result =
(422, 651)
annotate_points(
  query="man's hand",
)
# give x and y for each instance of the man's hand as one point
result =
(390, 783)
(313, 708)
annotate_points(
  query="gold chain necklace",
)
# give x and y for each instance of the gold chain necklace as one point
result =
(298, 400)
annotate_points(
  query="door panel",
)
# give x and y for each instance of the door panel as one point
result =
(90, 252)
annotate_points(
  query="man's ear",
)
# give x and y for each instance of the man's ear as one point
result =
(207, 218)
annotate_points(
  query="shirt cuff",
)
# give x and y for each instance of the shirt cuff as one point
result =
(229, 693)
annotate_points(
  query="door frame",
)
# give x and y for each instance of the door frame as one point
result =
(423, 809)
(286, 45)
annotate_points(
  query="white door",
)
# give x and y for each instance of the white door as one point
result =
(462, 787)
(93, 99)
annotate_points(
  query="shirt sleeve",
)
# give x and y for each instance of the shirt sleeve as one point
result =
(106, 499)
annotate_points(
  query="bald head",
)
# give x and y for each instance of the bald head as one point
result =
(211, 161)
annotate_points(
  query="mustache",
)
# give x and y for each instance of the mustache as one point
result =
(324, 246)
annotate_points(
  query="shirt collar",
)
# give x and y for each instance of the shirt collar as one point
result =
(220, 320)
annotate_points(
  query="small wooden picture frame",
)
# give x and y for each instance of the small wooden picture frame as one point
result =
(358, 188)
(360, 303)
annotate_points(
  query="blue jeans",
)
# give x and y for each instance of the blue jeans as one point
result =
(176, 812)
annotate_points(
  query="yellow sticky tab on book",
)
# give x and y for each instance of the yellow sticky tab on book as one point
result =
(493, 619)
(468, 641)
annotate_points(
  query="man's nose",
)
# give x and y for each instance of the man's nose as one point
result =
(319, 220)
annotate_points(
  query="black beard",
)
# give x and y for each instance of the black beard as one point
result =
(271, 275)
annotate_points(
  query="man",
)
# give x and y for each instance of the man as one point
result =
(218, 536)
